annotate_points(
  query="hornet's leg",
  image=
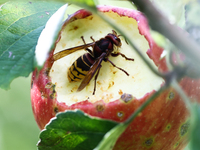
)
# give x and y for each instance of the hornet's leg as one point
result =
(87, 49)
(95, 80)
(118, 67)
(83, 40)
(117, 54)
(92, 39)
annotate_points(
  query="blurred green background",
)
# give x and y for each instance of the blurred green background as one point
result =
(18, 129)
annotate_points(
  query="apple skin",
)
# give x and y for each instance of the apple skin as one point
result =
(162, 125)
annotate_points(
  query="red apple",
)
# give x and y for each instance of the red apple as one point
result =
(162, 125)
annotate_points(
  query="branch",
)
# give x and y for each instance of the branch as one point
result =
(160, 23)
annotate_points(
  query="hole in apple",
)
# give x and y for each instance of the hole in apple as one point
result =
(110, 80)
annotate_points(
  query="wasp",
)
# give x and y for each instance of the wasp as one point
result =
(85, 67)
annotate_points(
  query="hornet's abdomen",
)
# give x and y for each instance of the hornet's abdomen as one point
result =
(80, 68)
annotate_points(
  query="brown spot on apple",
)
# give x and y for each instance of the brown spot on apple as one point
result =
(177, 144)
(126, 97)
(110, 84)
(99, 82)
(171, 95)
(43, 95)
(184, 128)
(168, 127)
(114, 72)
(148, 142)
(75, 27)
(48, 85)
(53, 95)
(56, 110)
(100, 107)
(120, 114)
(46, 71)
(120, 92)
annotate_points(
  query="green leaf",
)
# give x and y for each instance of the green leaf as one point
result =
(74, 130)
(195, 128)
(20, 26)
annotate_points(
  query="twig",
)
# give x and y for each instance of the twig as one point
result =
(185, 98)
(176, 35)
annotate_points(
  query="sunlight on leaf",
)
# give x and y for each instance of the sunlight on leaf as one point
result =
(49, 36)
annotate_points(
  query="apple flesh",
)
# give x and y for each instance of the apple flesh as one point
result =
(162, 125)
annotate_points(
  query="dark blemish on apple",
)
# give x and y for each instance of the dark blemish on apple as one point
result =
(114, 72)
(75, 27)
(48, 85)
(56, 110)
(171, 95)
(53, 94)
(52, 88)
(184, 128)
(148, 142)
(100, 107)
(46, 72)
(43, 96)
(168, 127)
(176, 144)
(120, 114)
(126, 97)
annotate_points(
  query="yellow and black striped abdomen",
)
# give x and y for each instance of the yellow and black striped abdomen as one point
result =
(80, 68)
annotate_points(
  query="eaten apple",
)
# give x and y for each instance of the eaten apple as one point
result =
(162, 125)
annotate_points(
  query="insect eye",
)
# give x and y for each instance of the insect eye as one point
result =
(118, 39)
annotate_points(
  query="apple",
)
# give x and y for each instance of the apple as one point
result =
(162, 125)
